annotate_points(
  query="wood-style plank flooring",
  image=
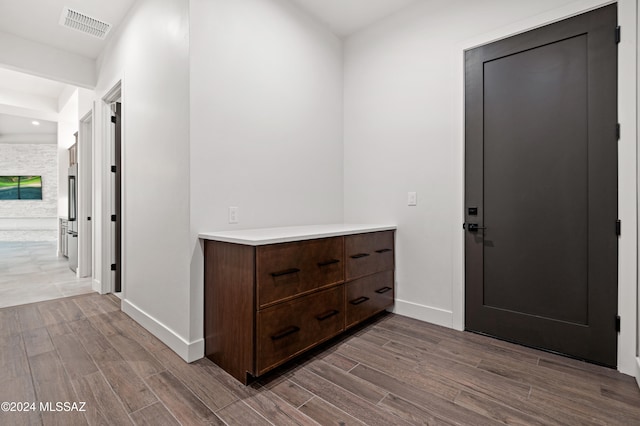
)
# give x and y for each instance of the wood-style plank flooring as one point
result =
(392, 371)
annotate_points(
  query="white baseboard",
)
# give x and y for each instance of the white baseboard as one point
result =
(189, 351)
(638, 371)
(424, 313)
(96, 286)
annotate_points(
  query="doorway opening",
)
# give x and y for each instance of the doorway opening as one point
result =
(112, 201)
(85, 190)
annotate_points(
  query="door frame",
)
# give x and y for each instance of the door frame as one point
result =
(115, 94)
(564, 258)
(628, 165)
(85, 207)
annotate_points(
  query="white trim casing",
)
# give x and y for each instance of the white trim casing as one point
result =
(105, 273)
(627, 187)
(116, 93)
(85, 198)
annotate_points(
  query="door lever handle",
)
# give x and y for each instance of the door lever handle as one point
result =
(472, 227)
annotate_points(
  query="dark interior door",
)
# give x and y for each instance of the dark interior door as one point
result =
(541, 187)
(116, 119)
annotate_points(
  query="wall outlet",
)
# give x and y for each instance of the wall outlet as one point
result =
(233, 215)
(412, 199)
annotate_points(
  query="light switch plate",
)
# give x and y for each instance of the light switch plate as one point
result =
(233, 215)
(412, 199)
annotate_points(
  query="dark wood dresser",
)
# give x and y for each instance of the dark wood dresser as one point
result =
(272, 294)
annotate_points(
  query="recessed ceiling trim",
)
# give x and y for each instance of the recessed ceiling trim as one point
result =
(78, 21)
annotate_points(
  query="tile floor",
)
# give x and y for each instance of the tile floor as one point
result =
(32, 272)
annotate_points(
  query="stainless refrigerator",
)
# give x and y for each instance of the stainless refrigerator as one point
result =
(72, 230)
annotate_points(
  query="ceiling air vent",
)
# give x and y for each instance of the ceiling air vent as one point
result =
(80, 22)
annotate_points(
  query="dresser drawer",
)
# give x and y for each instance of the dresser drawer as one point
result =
(289, 328)
(368, 295)
(368, 253)
(286, 270)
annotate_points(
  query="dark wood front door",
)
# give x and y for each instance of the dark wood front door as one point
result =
(541, 187)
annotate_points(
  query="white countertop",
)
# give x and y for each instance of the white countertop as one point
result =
(259, 237)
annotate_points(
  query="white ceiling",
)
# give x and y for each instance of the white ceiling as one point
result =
(14, 129)
(21, 130)
(37, 20)
(344, 17)
(25, 83)
(10, 125)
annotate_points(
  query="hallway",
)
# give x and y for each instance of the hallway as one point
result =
(32, 272)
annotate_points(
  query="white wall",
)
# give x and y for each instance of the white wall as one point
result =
(404, 132)
(149, 54)
(67, 127)
(89, 208)
(266, 122)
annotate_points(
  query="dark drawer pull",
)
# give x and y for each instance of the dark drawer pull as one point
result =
(284, 333)
(383, 290)
(359, 300)
(327, 315)
(383, 250)
(285, 272)
(359, 255)
(328, 262)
